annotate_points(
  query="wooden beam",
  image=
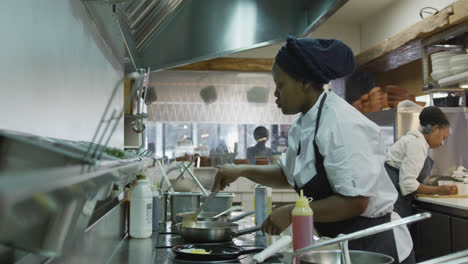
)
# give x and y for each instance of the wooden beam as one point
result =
(395, 45)
(230, 64)
(460, 12)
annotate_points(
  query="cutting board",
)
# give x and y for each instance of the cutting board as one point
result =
(443, 196)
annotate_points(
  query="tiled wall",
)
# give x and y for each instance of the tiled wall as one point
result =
(179, 98)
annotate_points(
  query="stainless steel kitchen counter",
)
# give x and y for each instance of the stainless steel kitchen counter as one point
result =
(459, 203)
(452, 206)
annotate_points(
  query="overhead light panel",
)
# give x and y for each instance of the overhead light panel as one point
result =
(463, 84)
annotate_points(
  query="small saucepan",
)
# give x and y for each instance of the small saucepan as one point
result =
(208, 216)
(213, 232)
(215, 252)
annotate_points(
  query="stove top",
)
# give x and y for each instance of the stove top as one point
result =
(242, 259)
(168, 237)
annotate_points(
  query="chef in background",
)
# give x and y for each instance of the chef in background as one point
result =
(407, 162)
(260, 149)
(335, 154)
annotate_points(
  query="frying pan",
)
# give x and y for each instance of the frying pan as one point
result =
(213, 232)
(207, 216)
(218, 252)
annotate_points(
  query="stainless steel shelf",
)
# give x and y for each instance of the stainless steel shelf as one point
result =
(48, 191)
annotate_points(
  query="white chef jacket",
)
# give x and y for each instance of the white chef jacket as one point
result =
(408, 155)
(354, 155)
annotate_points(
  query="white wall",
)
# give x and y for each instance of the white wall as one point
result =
(56, 74)
(349, 33)
(394, 18)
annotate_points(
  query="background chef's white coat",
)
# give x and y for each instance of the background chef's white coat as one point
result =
(354, 156)
(408, 155)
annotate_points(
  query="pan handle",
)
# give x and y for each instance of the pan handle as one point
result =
(247, 231)
(248, 250)
(241, 216)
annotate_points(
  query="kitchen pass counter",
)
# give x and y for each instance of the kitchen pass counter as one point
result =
(452, 206)
(459, 203)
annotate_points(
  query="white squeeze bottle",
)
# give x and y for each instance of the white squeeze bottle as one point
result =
(303, 224)
(141, 209)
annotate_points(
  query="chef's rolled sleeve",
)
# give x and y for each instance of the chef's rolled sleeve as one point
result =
(411, 166)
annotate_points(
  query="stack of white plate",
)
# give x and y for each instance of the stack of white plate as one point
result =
(459, 64)
(441, 64)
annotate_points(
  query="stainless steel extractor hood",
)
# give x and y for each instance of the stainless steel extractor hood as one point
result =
(162, 34)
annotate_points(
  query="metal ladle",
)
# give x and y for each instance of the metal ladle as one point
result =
(233, 208)
(190, 220)
(138, 126)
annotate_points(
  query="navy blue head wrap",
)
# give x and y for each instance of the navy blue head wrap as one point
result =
(316, 60)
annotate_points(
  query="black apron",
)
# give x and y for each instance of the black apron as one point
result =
(403, 205)
(319, 188)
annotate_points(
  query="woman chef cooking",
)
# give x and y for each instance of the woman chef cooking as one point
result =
(407, 162)
(335, 154)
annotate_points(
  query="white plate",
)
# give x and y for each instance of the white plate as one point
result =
(440, 75)
(459, 64)
(457, 71)
(441, 68)
(445, 53)
(460, 57)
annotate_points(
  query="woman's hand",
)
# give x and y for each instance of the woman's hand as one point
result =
(447, 189)
(278, 220)
(226, 174)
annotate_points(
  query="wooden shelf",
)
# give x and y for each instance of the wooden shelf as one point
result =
(443, 90)
(231, 64)
(405, 46)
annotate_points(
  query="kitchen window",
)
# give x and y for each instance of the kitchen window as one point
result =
(164, 136)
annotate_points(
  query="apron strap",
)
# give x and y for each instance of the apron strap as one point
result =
(319, 114)
(317, 121)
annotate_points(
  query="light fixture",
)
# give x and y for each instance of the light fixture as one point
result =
(463, 84)
(204, 135)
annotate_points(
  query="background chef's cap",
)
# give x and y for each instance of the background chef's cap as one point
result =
(315, 60)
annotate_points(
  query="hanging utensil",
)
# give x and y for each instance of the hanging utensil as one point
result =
(138, 126)
(109, 122)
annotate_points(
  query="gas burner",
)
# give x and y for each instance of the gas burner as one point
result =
(178, 240)
(175, 260)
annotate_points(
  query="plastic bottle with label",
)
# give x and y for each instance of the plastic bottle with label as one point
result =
(302, 224)
(141, 209)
